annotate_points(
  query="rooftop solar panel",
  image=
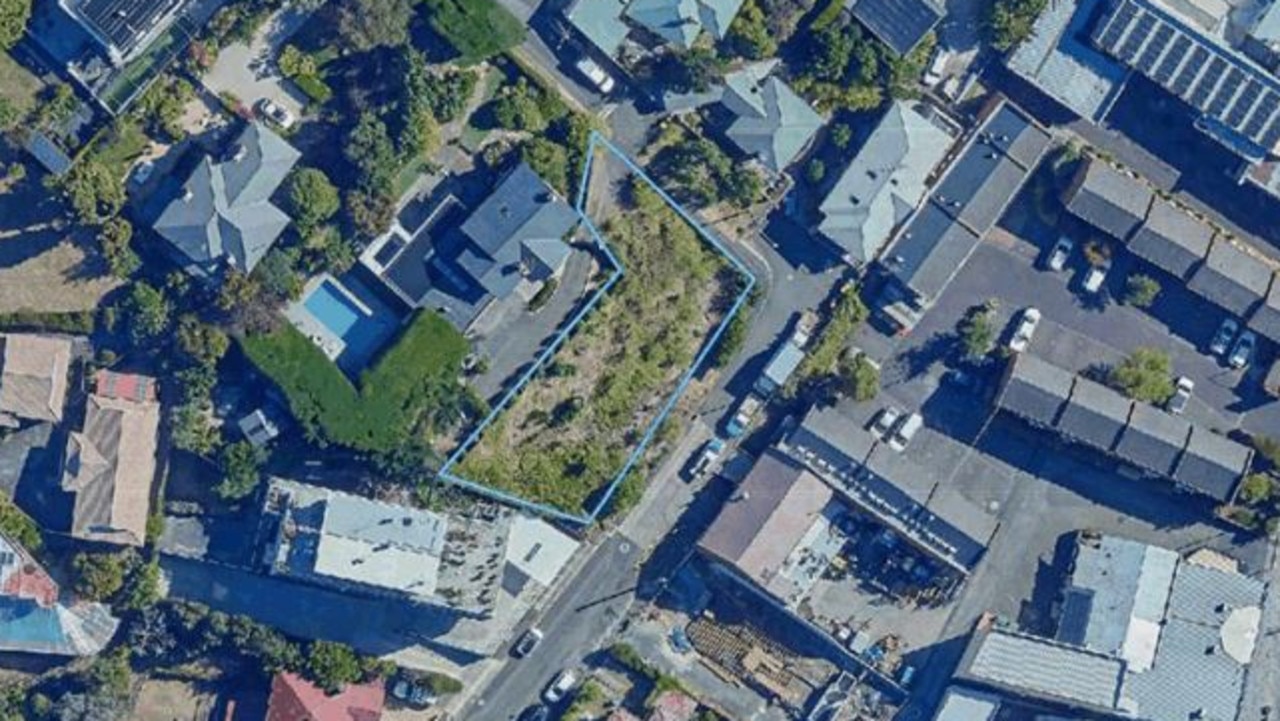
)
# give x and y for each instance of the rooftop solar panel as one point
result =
(1226, 93)
(1110, 33)
(1262, 113)
(1272, 134)
(1244, 102)
(1136, 37)
(1194, 67)
(1159, 42)
(1172, 59)
(1209, 80)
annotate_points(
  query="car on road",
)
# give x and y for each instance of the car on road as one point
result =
(1242, 351)
(679, 640)
(528, 641)
(536, 713)
(1056, 260)
(277, 113)
(1222, 339)
(142, 172)
(592, 71)
(413, 693)
(937, 66)
(562, 684)
(1095, 276)
(885, 420)
(1182, 390)
(743, 416)
(707, 459)
(1025, 330)
(904, 430)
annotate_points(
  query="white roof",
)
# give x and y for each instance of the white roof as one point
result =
(384, 565)
(538, 550)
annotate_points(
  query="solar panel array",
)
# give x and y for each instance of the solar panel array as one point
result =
(1211, 78)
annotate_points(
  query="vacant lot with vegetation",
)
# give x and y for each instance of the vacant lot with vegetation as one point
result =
(409, 389)
(571, 429)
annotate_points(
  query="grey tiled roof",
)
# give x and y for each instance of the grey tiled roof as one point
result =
(900, 24)
(1231, 278)
(772, 122)
(1153, 439)
(1073, 73)
(1095, 415)
(884, 183)
(1266, 319)
(1036, 667)
(600, 22)
(1171, 239)
(1035, 389)
(1108, 199)
(679, 22)
(1212, 464)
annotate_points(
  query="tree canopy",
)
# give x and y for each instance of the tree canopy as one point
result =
(367, 24)
(13, 20)
(312, 198)
(1146, 375)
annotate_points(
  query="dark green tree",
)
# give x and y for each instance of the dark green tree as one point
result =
(114, 237)
(148, 312)
(1146, 375)
(99, 576)
(333, 666)
(367, 24)
(13, 20)
(312, 198)
(241, 464)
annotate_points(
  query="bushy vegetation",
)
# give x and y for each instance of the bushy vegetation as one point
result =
(559, 136)
(13, 20)
(415, 382)
(749, 34)
(1141, 290)
(1010, 21)
(477, 29)
(698, 172)
(566, 436)
(847, 315)
(861, 377)
(17, 525)
(1146, 375)
(977, 330)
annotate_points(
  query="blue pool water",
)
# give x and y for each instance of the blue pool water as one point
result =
(363, 331)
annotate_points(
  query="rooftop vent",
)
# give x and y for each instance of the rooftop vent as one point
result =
(240, 153)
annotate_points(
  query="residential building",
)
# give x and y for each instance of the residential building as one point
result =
(506, 248)
(885, 183)
(680, 22)
(1232, 277)
(33, 377)
(1107, 198)
(1058, 61)
(124, 28)
(771, 123)
(1142, 634)
(972, 194)
(1172, 239)
(600, 23)
(1144, 438)
(890, 487)
(672, 706)
(34, 620)
(110, 464)
(899, 24)
(1266, 318)
(293, 698)
(221, 216)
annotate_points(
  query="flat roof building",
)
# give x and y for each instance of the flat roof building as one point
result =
(1058, 62)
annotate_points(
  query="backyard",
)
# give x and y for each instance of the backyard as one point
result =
(569, 432)
(412, 387)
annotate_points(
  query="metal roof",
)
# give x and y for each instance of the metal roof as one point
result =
(1035, 389)
(1212, 464)
(827, 435)
(1231, 278)
(679, 22)
(600, 22)
(1171, 239)
(1240, 100)
(962, 704)
(878, 191)
(1054, 60)
(1041, 668)
(1188, 680)
(929, 251)
(1153, 439)
(784, 362)
(900, 24)
(772, 122)
(1095, 415)
(1108, 199)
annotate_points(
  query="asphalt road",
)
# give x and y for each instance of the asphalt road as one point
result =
(579, 620)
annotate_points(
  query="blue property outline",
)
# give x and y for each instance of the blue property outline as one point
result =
(445, 474)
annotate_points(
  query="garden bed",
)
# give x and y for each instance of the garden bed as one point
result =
(564, 439)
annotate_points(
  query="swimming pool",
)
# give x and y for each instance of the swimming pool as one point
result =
(334, 309)
(352, 314)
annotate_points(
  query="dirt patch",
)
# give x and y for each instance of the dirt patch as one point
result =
(172, 701)
(62, 279)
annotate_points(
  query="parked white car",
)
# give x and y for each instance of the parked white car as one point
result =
(277, 113)
(1025, 331)
(1182, 390)
(904, 431)
(596, 74)
(562, 684)
(1056, 260)
(885, 420)
(1094, 277)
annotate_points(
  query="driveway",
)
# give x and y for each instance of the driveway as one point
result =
(249, 72)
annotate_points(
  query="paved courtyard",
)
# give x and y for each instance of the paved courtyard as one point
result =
(249, 71)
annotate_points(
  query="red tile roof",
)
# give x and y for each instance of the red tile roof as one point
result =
(673, 706)
(296, 699)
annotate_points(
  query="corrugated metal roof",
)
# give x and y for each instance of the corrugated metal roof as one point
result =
(1153, 439)
(1079, 77)
(773, 123)
(1108, 199)
(600, 22)
(1045, 669)
(1095, 414)
(1266, 319)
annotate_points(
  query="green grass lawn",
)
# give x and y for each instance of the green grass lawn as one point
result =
(18, 86)
(477, 29)
(416, 375)
(119, 147)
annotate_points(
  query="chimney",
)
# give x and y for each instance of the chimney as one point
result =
(187, 195)
(240, 152)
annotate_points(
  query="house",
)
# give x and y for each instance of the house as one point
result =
(505, 249)
(124, 28)
(771, 123)
(767, 521)
(1143, 634)
(1107, 198)
(884, 184)
(110, 463)
(680, 22)
(672, 706)
(899, 24)
(1171, 239)
(600, 23)
(972, 194)
(222, 216)
(293, 698)
(1141, 436)
(1232, 278)
(34, 620)
(1058, 61)
(33, 377)
(1266, 319)
(1236, 98)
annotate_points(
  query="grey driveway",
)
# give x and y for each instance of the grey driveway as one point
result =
(249, 71)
